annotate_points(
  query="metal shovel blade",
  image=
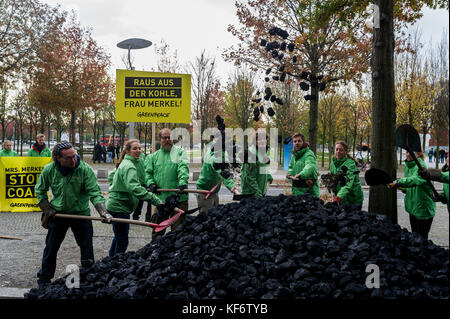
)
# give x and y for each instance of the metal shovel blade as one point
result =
(407, 138)
(375, 176)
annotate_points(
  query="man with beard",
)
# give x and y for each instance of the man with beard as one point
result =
(73, 184)
(167, 168)
(39, 149)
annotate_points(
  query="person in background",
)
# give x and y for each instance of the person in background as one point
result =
(7, 150)
(430, 155)
(303, 167)
(254, 172)
(441, 155)
(111, 152)
(97, 156)
(73, 184)
(213, 172)
(351, 192)
(104, 152)
(418, 201)
(168, 168)
(39, 149)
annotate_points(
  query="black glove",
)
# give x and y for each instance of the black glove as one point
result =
(48, 212)
(152, 188)
(225, 174)
(182, 187)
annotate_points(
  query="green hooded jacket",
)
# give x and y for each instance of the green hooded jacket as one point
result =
(418, 200)
(9, 153)
(209, 177)
(304, 162)
(71, 193)
(166, 173)
(46, 152)
(352, 191)
(254, 176)
(140, 167)
(126, 189)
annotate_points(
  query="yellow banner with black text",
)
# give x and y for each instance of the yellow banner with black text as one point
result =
(18, 177)
(153, 97)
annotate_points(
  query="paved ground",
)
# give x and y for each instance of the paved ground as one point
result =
(20, 259)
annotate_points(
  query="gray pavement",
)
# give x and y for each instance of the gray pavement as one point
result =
(20, 259)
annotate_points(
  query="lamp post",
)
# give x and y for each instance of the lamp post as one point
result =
(133, 44)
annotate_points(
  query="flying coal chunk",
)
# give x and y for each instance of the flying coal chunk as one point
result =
(282, 247)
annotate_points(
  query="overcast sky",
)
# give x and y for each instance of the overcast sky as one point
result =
(187, 26)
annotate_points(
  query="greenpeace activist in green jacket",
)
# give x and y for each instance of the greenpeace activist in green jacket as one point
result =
(254, 172)
(210, 176)
(303, 166)
(72, 185)
(39, 149)
(351, 192)
(438, 175)
(168, 167)
(7, 150)
(126, 187)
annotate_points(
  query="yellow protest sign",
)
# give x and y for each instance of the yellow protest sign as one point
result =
(153, 97)
(18, 176)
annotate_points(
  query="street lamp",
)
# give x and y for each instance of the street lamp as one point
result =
(133, 44)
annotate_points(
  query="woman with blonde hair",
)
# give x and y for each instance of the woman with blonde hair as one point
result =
(351, 192)
(125, 192)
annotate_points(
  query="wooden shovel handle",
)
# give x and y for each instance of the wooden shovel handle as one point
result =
(116, 220)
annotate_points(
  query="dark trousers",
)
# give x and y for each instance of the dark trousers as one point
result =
(120, 241)
(57, 229)
(137, 212)
(184, 206)
(420, 226)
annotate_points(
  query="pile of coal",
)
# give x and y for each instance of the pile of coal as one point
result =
(271, 247)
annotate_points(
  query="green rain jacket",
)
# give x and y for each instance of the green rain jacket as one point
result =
(352, 191)
(304, 162)
(418, 200)
(140, 167)
(9, 153)
(126, 189)
(254, 176)
(168, 169)
(71, 193)
(46, 152)
(209, 177)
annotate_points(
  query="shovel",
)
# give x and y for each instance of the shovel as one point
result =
(157, 227)
(375, 176)
(407, 138)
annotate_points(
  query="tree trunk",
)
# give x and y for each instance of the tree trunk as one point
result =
(383, 200)
(72, 127)
(313, 119)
